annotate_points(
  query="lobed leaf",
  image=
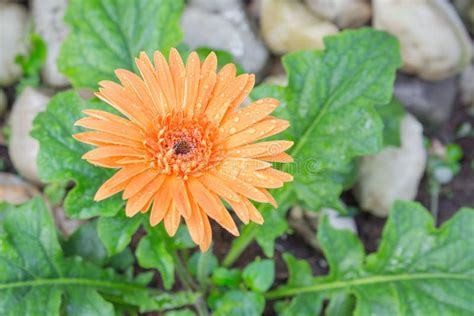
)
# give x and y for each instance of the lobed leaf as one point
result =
(418, 269)
(109, 34)
(59, 158)
(37, 279)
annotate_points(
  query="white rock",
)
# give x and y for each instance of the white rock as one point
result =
(216, 5)
(227, 30)
(3, 102)
(345, 13)
(48, 17)
(393, 174)
(434, 42)
(15, 190)
(467, 86)
(13, 40)
(23, 149)
(338, 221)
(288, 25)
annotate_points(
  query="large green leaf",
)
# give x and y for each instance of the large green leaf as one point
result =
(330, 102)
(391, 114)
(418, 269)
(37, 279)
(117, 232)
(59, 158)
(109, 34)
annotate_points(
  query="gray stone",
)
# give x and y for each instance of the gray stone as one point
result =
(466, 86)
(13, 40)
(345, 13)
(228, 30)
(433, 40)
(430, 101)
(23, 148)
(288, 26)
(48, 17)
(393, 174)
(15, 190)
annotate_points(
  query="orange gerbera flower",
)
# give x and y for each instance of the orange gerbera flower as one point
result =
(183, 147)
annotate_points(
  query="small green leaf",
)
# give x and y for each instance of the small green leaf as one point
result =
(152, 253)
(202, 264)
(116, 232)
(259, 275)
(237, 303)
(226, 277)
(59, 158)
(32, 63)
(391, 114)
(106, 35)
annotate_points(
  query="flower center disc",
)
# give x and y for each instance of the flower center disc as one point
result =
(182, 146)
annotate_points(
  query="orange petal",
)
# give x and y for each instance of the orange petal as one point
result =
(216, 185)
(225, 75)
(148, 73)
(138, 202)
(211, 204)
(244, 188)
(172, 219)
(277, 174)
(269, 197)
(243, 94)
(105, 139)
(180, 196)
(254, 214)
(178, 72)
(118, 181)
(248, 116)
(113, 151)
(138, 182)
(240, 209)
(220, 103)
(207, 234)
(281, 157)
(161, 204)
(263, 149)
(191, 83)
(165, 79)
(195, 223)
(115, 128)
(251, 134)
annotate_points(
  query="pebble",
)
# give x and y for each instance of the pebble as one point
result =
(393, 174)
(431, 101)
(466, 86)
(23, 149)
(433, 41)
(214, 25)
(288, 26)
(344, 13)
(15, 190)
(13, 40)
(48, 17)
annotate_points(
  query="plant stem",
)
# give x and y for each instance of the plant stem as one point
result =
(189, 284)
(249, 233)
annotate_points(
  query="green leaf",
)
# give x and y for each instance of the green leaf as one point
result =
(226, 277)
(237, 303)
(84, 242)
(259, 275)
(330, 102)
(153, 253)
(37, 279)
(59, 158)
(32, 63)
(116, 232)
(182, 312)
(202, 264)
(106, 35)
(300, 275)
(391, 114)
(418, 269)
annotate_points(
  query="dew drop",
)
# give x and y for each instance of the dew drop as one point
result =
(251, 130)
(236, 119)
(232, 130)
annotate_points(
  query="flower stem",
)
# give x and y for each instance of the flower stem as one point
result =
(250, 232)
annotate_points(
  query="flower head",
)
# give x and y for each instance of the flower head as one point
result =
(182, 147)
